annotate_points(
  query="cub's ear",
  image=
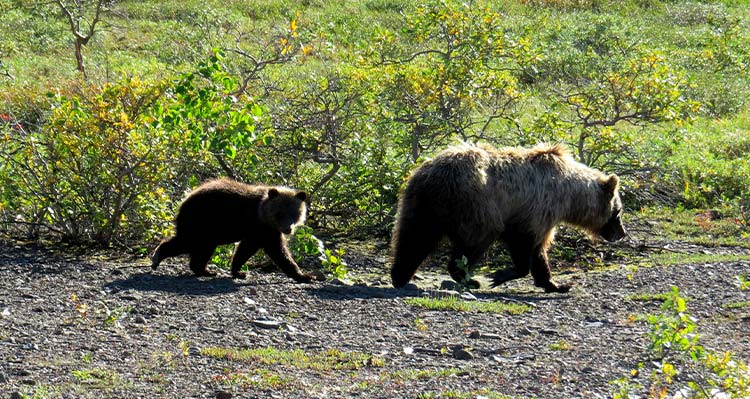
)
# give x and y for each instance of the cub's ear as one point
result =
(301, 195)
(611, 184)
(273, 193)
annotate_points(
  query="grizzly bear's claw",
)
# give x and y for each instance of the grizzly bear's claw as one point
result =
(561, 288)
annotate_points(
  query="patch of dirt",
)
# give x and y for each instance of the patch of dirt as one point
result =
(98, 328)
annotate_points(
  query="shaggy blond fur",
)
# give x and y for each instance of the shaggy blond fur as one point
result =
(476, 194)
(224, 211)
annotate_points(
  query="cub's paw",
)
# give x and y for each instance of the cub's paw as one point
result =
(308, 278)
(239, 275)
(205, 273)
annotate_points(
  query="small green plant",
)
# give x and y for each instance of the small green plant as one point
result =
(675, 343)
(561, 345)
(98, 377)
(41, 392)
(420, 324)
(743, 282)
(305, 243)
(113, 317)
(456, 304)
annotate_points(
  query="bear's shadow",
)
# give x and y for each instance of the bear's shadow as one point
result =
(341, 293)
(186, 284)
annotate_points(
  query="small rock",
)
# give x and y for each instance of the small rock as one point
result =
(5, 313)
(262, 310)
(223, 395)
(268, 324)
(468, 296)
(408, 350)
(462, 354)
(16, 395)
(194, 351)
(475, 335)
(410, 287)
(449, 285)
(30, 346)
(3, 378)
(139, 320)
(251, 304)
(342, 282)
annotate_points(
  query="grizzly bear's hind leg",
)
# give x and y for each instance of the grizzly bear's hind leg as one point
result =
(245, 249)
(519, 245)
(473, 254)
(167, 249)
(413, 241)
(199, 258)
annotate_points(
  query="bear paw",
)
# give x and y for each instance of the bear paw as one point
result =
(205, 273)
(561, 288)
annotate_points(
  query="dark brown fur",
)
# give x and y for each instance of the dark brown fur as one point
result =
(477, 194)
(224, 211)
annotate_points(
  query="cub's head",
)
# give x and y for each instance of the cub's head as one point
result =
(284, 209)
(612, 228)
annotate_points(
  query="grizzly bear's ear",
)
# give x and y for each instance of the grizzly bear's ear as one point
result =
(301, 195)
(611, 184)
(273, 193)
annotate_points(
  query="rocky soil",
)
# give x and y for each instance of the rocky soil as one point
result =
(88, 327)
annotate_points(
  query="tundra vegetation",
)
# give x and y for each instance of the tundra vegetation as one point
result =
(111, 111)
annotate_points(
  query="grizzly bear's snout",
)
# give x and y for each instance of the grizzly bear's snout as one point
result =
(613, 230)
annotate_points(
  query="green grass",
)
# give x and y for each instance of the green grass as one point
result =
(407, 375)
(453, 394)
(331, 359)
(453, 303)
(736, 305)
(661, 297)
(678, 258)
(255, 378)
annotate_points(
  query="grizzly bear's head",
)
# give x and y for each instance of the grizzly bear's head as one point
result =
(284, 209)
(612, 229)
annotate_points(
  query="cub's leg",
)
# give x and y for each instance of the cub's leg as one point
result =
(199, 257)
(167, 249)
(276, 248)
(245, 249)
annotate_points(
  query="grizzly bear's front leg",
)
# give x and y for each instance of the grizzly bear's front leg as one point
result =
(276, 249)
(541, 272)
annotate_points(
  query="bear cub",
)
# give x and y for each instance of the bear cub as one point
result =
(477, 194)
(224, 211)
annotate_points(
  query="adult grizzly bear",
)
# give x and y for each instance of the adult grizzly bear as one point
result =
(477, 194)
(224, 211)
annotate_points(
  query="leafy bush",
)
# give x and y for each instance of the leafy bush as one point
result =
(94, 170)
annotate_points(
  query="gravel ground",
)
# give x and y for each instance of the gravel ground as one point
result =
(88, 327)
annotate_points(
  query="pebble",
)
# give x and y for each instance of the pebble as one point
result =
(3, 378)
(462, 354)
(223, 395)
(5, 313)
(16, 395)
(468, 296)
(139, 320)
(268, 324)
